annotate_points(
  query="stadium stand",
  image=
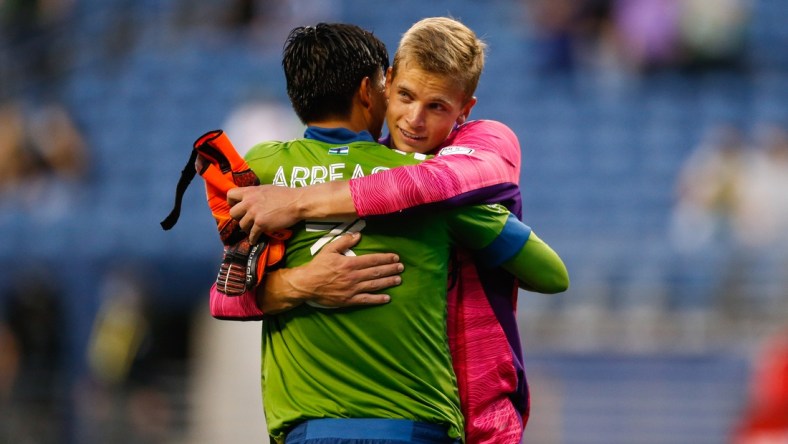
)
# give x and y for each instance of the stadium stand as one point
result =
(601, 157)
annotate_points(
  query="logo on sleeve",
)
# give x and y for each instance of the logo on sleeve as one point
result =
(339, 151)
(455, 150)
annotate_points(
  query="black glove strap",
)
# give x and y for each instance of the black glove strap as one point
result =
(187, 174)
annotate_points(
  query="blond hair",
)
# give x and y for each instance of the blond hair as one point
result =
(446, 47)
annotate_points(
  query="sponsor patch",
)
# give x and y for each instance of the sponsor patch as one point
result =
(455, 150)
(339, 151)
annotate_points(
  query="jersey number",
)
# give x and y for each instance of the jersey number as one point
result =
(333, 230)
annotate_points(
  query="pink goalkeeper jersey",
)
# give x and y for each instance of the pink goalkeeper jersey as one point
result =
(478, 163)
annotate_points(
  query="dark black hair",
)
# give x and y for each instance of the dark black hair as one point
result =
(324, 66)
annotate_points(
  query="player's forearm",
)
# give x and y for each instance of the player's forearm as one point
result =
(330, 199)
(454, 180)
(538, 268)
(481, 164)
(242, 307)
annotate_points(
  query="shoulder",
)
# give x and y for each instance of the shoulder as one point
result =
(483, 136)
(376, 152)
(277, 147)
(265, 149)
(485, 127)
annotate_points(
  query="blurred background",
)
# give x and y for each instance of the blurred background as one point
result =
(655, 161)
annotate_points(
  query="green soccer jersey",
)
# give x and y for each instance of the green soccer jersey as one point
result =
(388, 361)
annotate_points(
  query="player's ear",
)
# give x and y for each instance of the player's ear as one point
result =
(365, 92)
(389, 79)
(466, 111)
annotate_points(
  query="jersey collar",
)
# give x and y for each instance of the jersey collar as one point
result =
(337, 135)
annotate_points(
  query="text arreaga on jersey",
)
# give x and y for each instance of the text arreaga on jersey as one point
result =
(301, 176)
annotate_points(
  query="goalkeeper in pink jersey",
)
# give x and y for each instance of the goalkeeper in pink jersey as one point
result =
(430, 90)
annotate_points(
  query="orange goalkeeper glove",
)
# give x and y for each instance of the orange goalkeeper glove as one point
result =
(243, 265)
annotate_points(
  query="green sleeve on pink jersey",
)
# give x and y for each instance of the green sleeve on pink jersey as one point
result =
(502, 240)
(538, 267)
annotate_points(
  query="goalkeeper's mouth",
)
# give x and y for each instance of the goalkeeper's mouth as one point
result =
(410, 138)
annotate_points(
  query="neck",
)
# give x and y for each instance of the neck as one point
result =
(356, 121)
(337, 123)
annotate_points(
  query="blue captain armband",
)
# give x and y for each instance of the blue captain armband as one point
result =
(508, 243)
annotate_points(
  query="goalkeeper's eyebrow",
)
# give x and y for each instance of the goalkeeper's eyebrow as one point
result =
(437, 99)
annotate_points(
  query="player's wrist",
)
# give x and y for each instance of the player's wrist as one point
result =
(305, 204)
(300, 284)
(278, 292)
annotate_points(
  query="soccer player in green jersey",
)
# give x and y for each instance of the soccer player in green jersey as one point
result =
(383, 373)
